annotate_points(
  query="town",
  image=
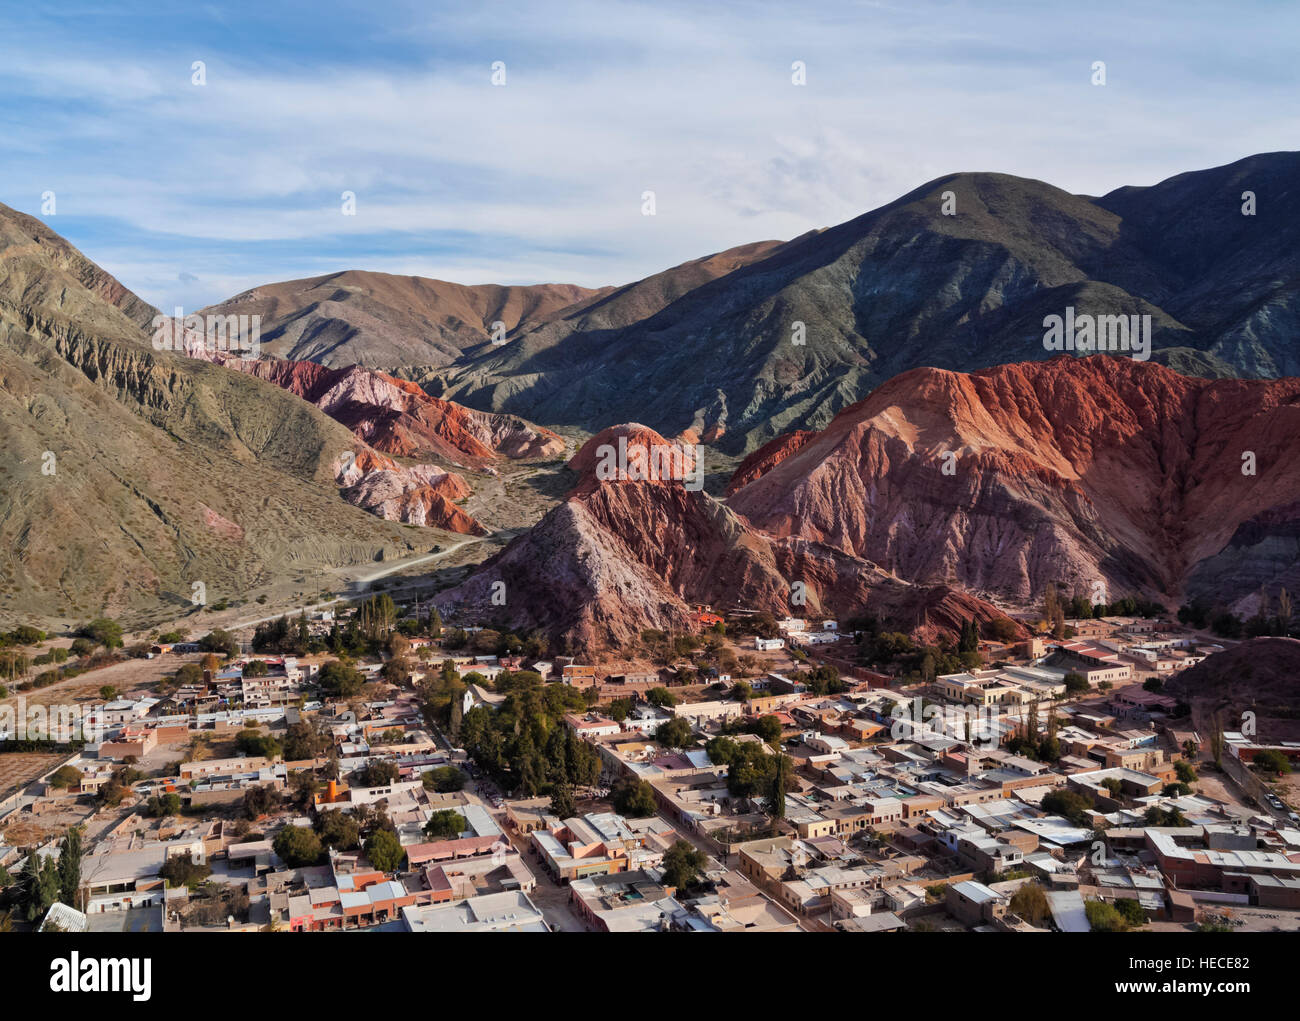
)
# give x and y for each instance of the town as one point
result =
(370, 766)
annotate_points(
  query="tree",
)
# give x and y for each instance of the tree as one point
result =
(446, 824)
(182, 870)
(298, 846)
(70, 867)
(38, 886)
(782, 781)
(620, 709)
(377, 773)
(1075, 682)
(683, 862)
(1030, 903)
(1186, 774)
(768, 728)
(385, 851)
(562, 803)
(107, 692)
(339, 678)
(661, 697)
(258, 801)
(634, 798)
(1103, 917)
(160, 805)
(102, 631)
(338, 829)
(302, 741)
(254, 743)
(220, 641)
(675, 733)
(444, 779)
(1131, 911)
(1072, 805)
(1271, 761)
(64, 777)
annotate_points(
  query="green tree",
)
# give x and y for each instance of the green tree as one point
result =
(1104, 917)
(1030, 903)
(298, 846)
(661, 697)
(675, 733)
(634, 798)
(102, 631)
(444, 779)
(683, 863)
(339, 678)
(182, 870)
(562, 804)
(446, 824)
(385, 851)
(768, 728)
(70, 867)
(1271, 761)
(338, 829)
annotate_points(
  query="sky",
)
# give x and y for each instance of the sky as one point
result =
(190, 193)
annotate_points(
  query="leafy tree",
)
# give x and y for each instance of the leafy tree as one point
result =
(181, 870)
(1186, 773)
(259, 801)
(1030, 903)
(768, 728)
(1175, 790)
(298, 846)
(219, 641)
(1131, 911)
(255, 743)
(444, 779)
(620, 709)
(1104, 917)
(683, 863)
(661, 697)
(337, 829)
(102, 631)
(302, 741)
(446, 824)
(1271, 761)
(161, 805)
(634, 798)
(675, 733)
(1075, 682)
(64, 777)
(377, 773)
(339, 678)
(1070, 804)
(384, 850)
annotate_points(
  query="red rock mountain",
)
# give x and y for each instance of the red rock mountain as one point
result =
(420, 495)
(397, 417)
(622, 555)
(1074, 471)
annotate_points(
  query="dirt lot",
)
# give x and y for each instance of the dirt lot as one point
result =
(17, 769)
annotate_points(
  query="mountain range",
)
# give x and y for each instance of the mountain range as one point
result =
(906, 443)
(715, 341)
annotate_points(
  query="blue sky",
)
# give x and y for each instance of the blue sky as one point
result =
(191, 193)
